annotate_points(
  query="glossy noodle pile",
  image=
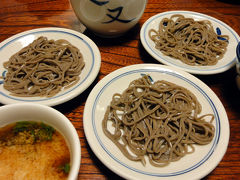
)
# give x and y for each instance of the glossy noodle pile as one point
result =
(193, 42)
(159, 120)
(43, 68)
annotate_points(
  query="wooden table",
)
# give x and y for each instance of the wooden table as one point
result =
(20, 15)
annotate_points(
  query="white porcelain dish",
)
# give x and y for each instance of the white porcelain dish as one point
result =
(40, 113)
(224, 64)
(192, 166)
(87, 47)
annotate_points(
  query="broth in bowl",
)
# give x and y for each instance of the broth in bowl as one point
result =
(37, 142)
(33, 150)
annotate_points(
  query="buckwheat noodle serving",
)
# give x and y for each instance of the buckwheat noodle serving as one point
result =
(193, 42)
(159, 121)
(43, 68)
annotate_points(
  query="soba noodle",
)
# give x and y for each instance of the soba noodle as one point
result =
(193, 42)
(43, 68)
(158, 120)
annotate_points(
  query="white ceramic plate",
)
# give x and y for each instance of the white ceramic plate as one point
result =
(195, 165)
(86, 46)
(224, 64)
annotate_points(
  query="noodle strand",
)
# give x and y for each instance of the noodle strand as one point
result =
(156, 120)
(43, 68)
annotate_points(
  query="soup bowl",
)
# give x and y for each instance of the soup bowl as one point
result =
(40, 113)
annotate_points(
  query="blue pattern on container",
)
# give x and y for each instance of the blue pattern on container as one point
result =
(111, 12)
(3, 75)
(218, 30)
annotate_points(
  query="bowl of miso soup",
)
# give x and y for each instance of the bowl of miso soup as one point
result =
(37, 142)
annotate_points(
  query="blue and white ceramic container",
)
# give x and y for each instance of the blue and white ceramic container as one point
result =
(238, 66)
(109, 18)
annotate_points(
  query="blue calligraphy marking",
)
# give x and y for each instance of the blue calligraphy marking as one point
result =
(3, 75)
(238, 51)
(99, 3)
(218, 30)
(116, 18)
(165, 23)
(149, 77)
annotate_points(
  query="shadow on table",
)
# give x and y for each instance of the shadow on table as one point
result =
(226, 88)
(79, 100)
(104, 170)
(145, 56)
(114, 41)
(230, 1)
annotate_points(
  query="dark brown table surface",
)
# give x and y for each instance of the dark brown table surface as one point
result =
(20, 15)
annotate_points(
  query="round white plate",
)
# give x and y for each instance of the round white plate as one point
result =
(87, 47)
(224, 64)
(195, 165)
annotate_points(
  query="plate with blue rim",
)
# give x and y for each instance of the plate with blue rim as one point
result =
(221, 28)
(195, 165)
(87, 47)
